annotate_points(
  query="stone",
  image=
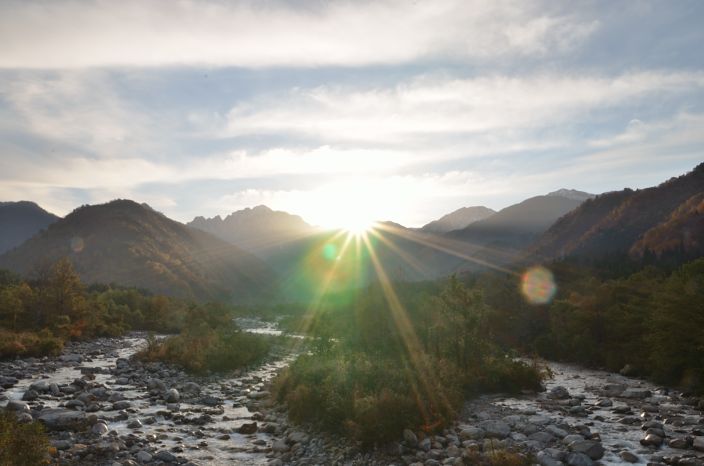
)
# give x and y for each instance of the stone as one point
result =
(41, 386)
(62, 419)
(572, 438)
(30, 395)
(559, 393)
(579, 459)
(120, 405)
(472, 433)
(279, 446)
(628, 457)
(156, 384)
(651, 440)
(191, 387)
(258, 395)
(19, 406)
(247, 428)
(172, 396)
(542, 437)
(544, 459)
(637, 393)
(556, 431)
(594, 450)
(165, 456)
(495, 429)
(143, 456)
(297, 437)
(54, 389)
(99, 428)
(698, 443)
(605, 403)
(679, 443)
(134, 424)
(410, 438)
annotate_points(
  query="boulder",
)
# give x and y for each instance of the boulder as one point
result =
(63, 419)
(30, 395)
(594, 450)
(472, 433)
(579, 459)
(143, 456)
(698, 443)
(637, 393)
(172, 396)
(19, 406)
(495, 429)
(410, 438)
(165, 456)
(559, 393)
(628, 457)
(247, 428)
(651, 440)
(41, 386)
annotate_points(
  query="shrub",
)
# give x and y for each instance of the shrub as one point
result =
(27, 344)
(22, 444)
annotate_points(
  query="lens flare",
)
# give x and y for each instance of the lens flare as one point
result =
(538, 285)
(330, 251)
(77, 244)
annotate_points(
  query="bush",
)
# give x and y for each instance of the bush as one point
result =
(22, 444)
(370, 399)
(29, 344)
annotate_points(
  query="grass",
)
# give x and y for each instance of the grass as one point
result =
(29, 344)
(211, 351)
(22, 444)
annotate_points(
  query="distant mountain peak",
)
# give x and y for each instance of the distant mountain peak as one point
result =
(458, 219)
(20, 221)
(572, 194)
(254, 228)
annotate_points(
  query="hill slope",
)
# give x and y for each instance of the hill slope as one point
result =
(662, 219)
(130, 244)
(19, 221)
(255, 229)
(458, 219)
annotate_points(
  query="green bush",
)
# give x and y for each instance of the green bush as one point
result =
(29, 344)
(22, 444)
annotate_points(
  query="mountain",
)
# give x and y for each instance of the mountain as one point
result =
(19, 221)
(517, 225)
(129, 244)
(572, 194)
(458, 219)
(255, 229)
(663, 219)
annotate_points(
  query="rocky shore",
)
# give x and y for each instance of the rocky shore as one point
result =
(101, 406)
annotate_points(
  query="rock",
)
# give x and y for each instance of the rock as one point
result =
(651, 440)
(424, 444)
(544, 459)
(172, 396)
(24, 418)
(258, 395)
(30, 395)
(61, 444)
(605, 403)
(579, 459)
(542, 437)
(191, 387)
(120, 405)
(472, 433)
(99, 428)
(679, 443)
(7, 382)
(698, 443)
(62, 419)
(628, 457)
(143, 456)
(495, 429)
(279, 446)
(165, 456)
(41, 386)
(75, 404)
(613, 389)
(54, 389)
(156, 384)
(559, 393)
(627, 370)
(134, 424)
(638, 393)
(410, 438)
(71, 358)
(19, 406)
(556, 431)
(592, 449)
(297, 437)
(247, 428)
(572, 438)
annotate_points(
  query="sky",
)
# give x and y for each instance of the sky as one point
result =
(388, 110)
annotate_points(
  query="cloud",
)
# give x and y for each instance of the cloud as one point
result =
(73, 34)
(428, 108)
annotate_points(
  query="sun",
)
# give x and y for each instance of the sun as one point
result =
(357, 227)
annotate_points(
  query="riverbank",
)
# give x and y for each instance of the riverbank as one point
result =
(103, 407)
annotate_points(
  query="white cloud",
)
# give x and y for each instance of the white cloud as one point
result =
(426, 109)
(69, 33)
